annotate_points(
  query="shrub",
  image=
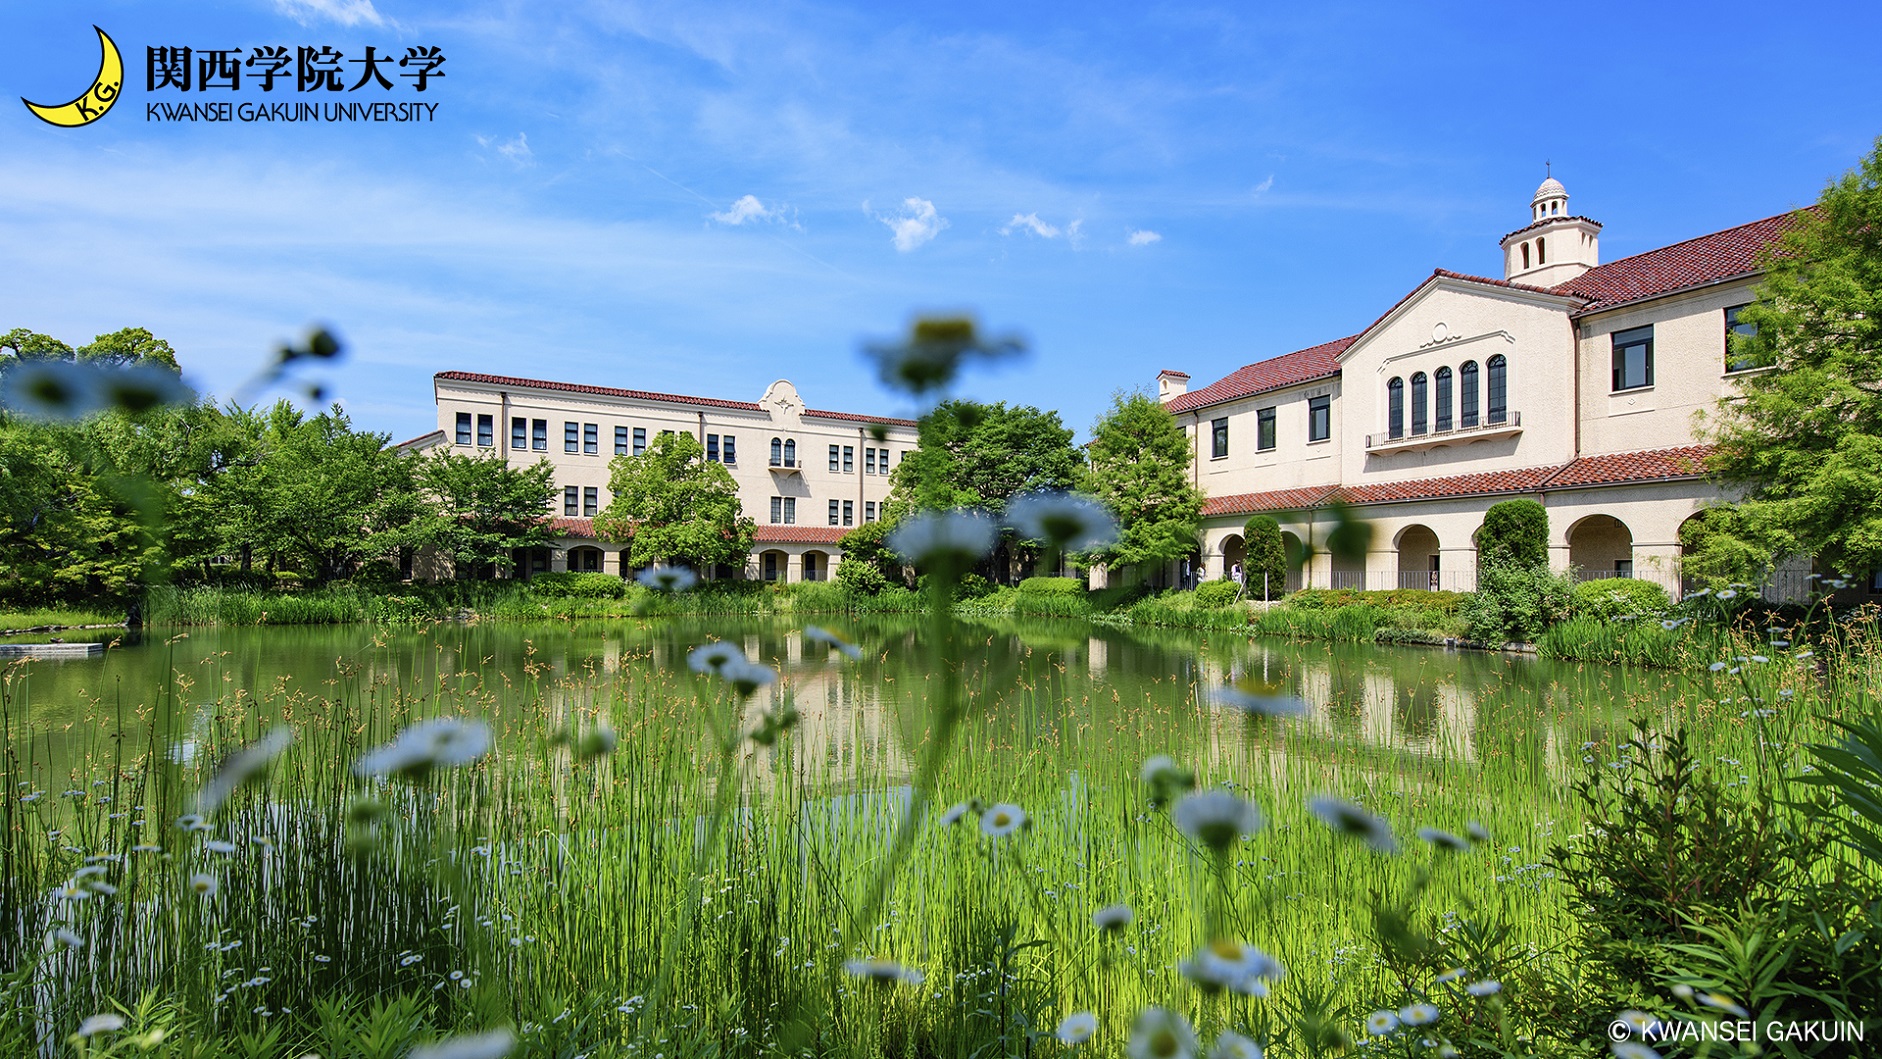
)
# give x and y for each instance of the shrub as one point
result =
(1513, 604)
(1514, 533)
(1445, 603)
(972, 586)
(1266, 566)
(868, 567)
(591, 585)
(1216, 593)
(1619, 597)
(1052, 586)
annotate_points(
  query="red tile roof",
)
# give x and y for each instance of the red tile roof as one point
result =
(648, 395)
(1552, 220)
(1694, 263)
(583, 528)
(1288, 369)
(1687, 462)
(1608, 469)
(801, 534)
(424, 440)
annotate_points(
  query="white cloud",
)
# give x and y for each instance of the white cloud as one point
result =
(515, 150)
(1262, 188)
(1144, 237)
(1030, 222)
(750, 208)
(917, 224)
(345, 12)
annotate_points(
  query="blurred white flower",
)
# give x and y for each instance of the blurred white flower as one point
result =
(1443, 839)
(935, 351)
(1418, 1014)
(1232, 1045)
(1349, 819)
(1487, 987)
(884, 972)
(1077, 1028)
(1002, 819)
(242, 766)
(1113, 917)
(205, 884)
(1380, 1023)
(1216, 818)
(447, 741)
(712, 657)
(954, 814)
(1160, 1034)
(1233, 965)
(958, 537)
(97, 1024)
(817, 634)
(492, 1045)
(668, 578)
(1256, 704)
(1072, 523)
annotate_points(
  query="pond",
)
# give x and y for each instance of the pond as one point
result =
(719, 875)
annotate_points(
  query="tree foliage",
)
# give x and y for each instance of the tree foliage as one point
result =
(868, 566)
(1804, 439)
(1265, 567)
(1140, 470)
(1514, 533)
(673, 506)
(983, 455)
(479, 509)
(132, 345)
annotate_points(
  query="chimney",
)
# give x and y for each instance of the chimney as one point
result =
(1171, 385)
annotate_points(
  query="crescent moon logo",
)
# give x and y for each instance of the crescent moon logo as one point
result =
(96, 100)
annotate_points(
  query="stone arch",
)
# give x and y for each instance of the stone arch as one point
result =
(1601, 546)
(587, 559)
(1418, 556)
(773, 565)
(1234, 554)
(1290, 545)
(816, 566)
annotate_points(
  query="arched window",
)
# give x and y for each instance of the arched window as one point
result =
(1420, 384)
(1499, 389)
(1467, 394)
(1542, 252)
(1395, 408)
(777, 452)
(1525, 255)
(1443, 379)
(790, 453)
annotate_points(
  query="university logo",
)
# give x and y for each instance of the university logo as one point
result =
(95, 100)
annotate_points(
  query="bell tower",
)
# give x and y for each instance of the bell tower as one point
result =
(1555, 246)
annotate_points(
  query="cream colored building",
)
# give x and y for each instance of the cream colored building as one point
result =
(1566, 380)
(806, 477)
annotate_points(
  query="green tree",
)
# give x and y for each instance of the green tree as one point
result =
(132, 345)
(1804, 440)
(868, 566)
(1514, 533)
(1266, 565)
(1139, 469)
(672, 506)
(481, 509)
(69, 530)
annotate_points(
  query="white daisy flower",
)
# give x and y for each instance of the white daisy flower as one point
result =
(713, 657)
(1443, 839)
(747, 677)
(1234, 966)
(817, 634)
(1487, 987)
(1160, 1034)
(1073, 523)
(954, 814)
(1113, 918)
(884, 972)
(1077, 1028)
(205, 884)
(1232, 1045)
(1639, 1023)
(959, 537)
(1450, 976)
(668, 578)
(492, 1045)
(97, 1024)
(1349, 819)
(1720, 1002)
(244, 765)
(1477, 832)
(1002, 819)
(447, 741)
(68, 937)
(1380, 1023)
(1418, 1014)
(1216, 818)
(216, 845)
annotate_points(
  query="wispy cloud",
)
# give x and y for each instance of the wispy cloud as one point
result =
(1030, 222)
(918, 223)
(1144, 237)
(345, 12)
(749, 209)
(514, 150)
(1263, 187)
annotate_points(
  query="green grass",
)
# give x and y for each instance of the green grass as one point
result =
(18, 620)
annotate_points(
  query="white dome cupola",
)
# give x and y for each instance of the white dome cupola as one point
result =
(1555, 246)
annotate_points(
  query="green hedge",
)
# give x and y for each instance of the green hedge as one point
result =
(1052, 586)
(1619, 597)
(1391, 599)
(1216, 593)
(591, 585)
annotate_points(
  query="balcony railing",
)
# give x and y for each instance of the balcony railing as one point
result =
(1430, 439)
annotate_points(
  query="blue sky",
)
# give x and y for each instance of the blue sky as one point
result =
(700, 197)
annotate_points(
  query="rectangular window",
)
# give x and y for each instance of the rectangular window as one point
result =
(849, 512)
(731, 449)
(1733, 326)
(833, 512)
(620, 441)
(591, 439)
(836, 461)
(1218, 438)
(463, 428)
(640, 440)
(712, 448)
(1319, 418)
(869, 511)
(1264, 429)
(571, 500)
(1633, 358)
(790, 511)
(777, 510)
(591, 501)
(539, 435)
(849, 459)
(519, 433)
(1467, 394)
(486, 431)
(869, 461)
(571, 437)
